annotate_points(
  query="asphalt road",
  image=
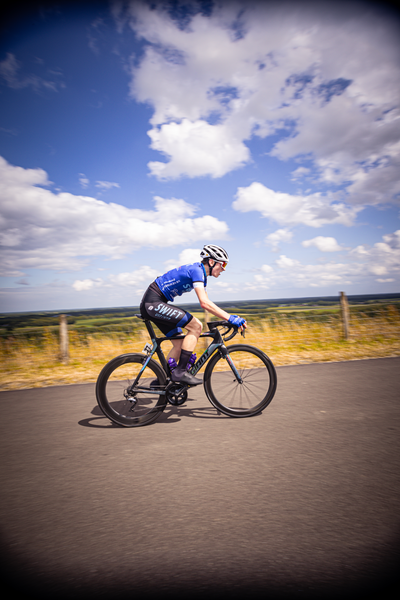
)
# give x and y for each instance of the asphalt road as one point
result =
(302, 501)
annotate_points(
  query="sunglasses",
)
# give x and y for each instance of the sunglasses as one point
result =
(224, 264)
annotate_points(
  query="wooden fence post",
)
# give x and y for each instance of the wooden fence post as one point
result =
(344, 306)
(64, 345)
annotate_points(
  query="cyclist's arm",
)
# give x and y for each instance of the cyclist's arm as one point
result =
(208, 305)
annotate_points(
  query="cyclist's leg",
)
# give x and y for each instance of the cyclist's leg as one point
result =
(189, 342)
(170, 320)
(194, 328)
(175, 351)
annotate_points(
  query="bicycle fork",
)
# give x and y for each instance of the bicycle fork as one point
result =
(226, 355)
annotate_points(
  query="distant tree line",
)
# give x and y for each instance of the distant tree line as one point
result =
(120, 319)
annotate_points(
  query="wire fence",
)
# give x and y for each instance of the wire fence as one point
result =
(301, 327)
(36, 358)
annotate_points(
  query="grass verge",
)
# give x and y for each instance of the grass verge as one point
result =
(33, 364)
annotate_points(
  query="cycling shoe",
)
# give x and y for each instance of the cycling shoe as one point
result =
(185, 377)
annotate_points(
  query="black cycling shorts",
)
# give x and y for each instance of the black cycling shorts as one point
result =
(169, 319)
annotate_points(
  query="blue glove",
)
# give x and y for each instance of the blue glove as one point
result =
(235, 320)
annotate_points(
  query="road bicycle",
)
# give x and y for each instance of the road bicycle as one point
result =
(240, 380)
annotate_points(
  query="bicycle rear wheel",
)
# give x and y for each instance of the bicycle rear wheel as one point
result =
(126, 405)
(257, 387)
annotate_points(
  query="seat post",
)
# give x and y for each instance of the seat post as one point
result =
(149, 326)
(150, 329)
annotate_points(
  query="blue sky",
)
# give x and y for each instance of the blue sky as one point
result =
(132, 133)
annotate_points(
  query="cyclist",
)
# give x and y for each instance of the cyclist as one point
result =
(170, 320)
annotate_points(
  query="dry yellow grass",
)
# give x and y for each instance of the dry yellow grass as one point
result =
(26, 365)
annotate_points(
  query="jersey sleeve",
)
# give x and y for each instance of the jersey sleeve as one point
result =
(197, 274)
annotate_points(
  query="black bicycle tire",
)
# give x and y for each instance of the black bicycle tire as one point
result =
(264, 402)
(101, 394)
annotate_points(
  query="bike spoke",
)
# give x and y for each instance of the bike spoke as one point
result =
(252, 392)
(126, 405)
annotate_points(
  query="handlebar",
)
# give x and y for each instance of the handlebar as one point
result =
(228, 327)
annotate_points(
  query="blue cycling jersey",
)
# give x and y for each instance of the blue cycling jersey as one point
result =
(179, 281)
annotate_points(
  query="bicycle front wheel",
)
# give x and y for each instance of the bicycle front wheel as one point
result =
(255, 388)
(127, 404)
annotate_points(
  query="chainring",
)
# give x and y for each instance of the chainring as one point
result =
(176, 395)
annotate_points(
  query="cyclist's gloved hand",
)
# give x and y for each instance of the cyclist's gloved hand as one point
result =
(235, 320)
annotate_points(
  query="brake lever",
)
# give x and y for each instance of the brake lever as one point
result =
(229, 328)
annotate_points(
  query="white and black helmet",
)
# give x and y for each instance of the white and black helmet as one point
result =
(215, 252)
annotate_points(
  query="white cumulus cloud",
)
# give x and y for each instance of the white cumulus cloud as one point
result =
(83, 285)
(142, 276)
(326, 76)
(44, 230)
(188, 145)
(186, 257)
(280, 235)
(382, 261)
(313, 210)
(383, 258)
(293, 273)
(325, 244)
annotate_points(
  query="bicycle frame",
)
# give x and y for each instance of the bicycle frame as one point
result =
(216, 344)
(135, 403)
